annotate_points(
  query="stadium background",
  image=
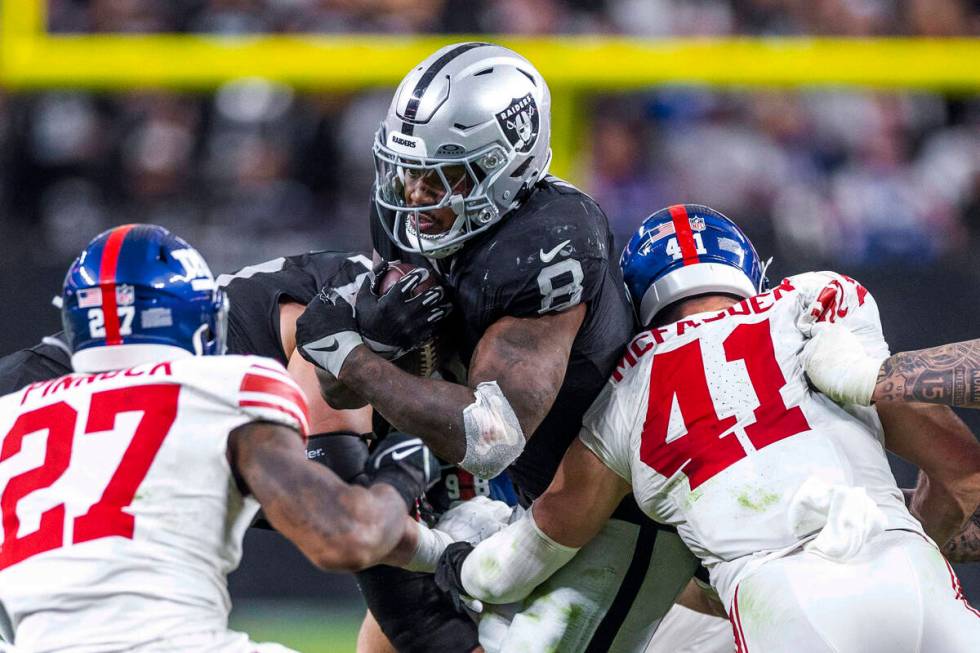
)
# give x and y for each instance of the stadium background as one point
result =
(847, 138)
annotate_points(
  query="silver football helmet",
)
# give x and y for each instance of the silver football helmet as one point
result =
(473, 122)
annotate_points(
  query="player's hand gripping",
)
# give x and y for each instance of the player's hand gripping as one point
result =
(390, 325)
(406, 463)
(837, 365)
(403, 317)
(327, 332)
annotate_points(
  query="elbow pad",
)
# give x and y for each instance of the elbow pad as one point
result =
(494, 438)
(507, 566)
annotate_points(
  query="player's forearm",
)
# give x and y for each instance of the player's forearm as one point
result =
(337, 395)
(362, 527)
(936, 440)
(419, 548)
(940, 511)
(947, 374)
(965, 545)
(431, 409)
(337, 526)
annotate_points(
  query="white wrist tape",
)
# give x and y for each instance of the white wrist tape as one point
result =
(430, 546)
(494, 438)
(507, 566)
(838, 366)
(331, 351)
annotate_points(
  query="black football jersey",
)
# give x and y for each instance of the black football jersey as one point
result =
(254, 294)
(551, 253)
(47, 360)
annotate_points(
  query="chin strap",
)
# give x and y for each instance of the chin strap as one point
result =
(763, 268)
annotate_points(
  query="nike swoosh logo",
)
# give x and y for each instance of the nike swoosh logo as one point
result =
(331, 347)
(405, 453)
(550, 254)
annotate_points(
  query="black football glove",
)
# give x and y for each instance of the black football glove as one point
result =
(326, 332)
(406, 463)
(449, 572)
(400, 320)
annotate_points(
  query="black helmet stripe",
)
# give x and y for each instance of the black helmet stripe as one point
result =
(408, 126)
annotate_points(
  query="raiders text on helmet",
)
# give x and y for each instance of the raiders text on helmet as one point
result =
(474, 119)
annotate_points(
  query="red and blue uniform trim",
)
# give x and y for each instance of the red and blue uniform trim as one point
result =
(107, 282)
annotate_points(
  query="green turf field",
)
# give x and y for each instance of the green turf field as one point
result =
(308, 628)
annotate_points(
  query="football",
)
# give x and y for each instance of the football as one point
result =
(396, 270)
(424, 360)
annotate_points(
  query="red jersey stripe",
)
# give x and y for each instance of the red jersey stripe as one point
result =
(958, 589)
(281, 389)
(740, 644)
(302, 420)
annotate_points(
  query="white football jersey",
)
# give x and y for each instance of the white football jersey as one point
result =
(121, 516)
(712, 422)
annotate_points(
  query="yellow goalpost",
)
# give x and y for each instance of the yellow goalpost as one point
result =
(31, 58)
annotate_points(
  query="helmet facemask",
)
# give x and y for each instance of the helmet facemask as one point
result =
(474, 121)
(460, 184)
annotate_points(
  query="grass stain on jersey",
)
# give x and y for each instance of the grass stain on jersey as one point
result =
(756, 610)
(574, 614)
(490, 568)
(757, 500)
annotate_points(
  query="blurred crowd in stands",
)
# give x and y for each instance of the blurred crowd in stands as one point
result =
(255, 169)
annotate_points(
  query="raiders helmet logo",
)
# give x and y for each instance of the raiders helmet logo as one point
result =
(519, 122)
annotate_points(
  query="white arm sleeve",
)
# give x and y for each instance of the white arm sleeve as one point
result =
(506, 566)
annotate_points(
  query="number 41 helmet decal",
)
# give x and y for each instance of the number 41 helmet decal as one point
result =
(686, 250)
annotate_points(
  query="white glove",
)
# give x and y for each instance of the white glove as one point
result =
(475, 520)
(846, 517)
(837, 365)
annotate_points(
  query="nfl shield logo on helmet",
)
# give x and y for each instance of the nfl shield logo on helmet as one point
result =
(125, 295)
(697, 223)
(519, 122)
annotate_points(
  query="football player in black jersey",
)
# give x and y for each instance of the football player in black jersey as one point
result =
(540, 319)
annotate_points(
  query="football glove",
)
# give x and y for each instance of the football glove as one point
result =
(837, 365)
(326, 332)
(406, 463)
(449, 576)
(403, 318)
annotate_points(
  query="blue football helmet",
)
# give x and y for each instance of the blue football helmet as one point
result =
(138, 293)
(686, 250)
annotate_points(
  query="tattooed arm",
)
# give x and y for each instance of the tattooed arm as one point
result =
(836, 364)
(946, 374)
(336, 525)
(906, 389)
(965, 545)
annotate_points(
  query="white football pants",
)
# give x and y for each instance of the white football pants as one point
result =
(897, 595)
(687, 631)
